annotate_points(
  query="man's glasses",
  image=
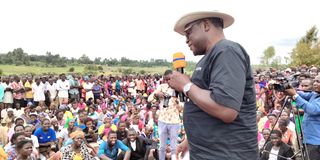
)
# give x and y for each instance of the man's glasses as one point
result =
(188, 30)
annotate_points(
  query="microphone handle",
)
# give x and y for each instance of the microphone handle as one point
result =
(180, 94)
(181, 70)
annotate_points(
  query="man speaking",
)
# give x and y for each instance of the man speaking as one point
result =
(220, 118)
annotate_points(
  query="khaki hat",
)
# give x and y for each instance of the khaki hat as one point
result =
(191, 17)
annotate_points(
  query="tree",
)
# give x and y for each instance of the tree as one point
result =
(276, 62)
(307, 49)
(268, 54)
(97, 60)
(84, 59)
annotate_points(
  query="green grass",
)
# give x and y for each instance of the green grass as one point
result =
(117, 70)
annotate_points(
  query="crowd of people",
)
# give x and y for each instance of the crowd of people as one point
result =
(116, 117)
(87, 117)
(288, 126)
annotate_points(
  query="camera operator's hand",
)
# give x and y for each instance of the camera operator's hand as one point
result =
(291, 91)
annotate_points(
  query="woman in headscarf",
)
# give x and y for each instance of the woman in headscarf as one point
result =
(78, 150)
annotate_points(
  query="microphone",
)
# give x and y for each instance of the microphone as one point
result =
(179, 63)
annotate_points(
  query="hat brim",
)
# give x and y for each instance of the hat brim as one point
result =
(191, 17)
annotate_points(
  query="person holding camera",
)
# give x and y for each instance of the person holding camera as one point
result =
(310, 103)
(169, 120)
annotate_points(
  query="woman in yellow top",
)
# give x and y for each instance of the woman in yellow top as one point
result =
(78, 149)
(3, 154)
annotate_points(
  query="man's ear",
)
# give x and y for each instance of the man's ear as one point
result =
(206, 25)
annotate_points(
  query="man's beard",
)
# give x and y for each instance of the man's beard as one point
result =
(199, 49)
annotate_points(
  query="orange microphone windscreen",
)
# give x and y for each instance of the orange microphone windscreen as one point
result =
(179, 60)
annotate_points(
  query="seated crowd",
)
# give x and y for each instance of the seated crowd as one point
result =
(80, 117)
(105, 117)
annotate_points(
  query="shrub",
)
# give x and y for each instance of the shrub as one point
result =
(100, 68)
(142, 72)
(71, 69)
(127, 71)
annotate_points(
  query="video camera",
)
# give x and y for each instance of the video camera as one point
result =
(281, 85)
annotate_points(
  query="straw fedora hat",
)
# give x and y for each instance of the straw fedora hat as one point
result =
(191, 17)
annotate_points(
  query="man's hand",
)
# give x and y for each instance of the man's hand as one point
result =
(291, 91)
(177, 80)
(181, 149)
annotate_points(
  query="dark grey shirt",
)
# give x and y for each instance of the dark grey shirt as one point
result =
(226, 72)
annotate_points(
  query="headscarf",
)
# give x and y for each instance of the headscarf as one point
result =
(76, 133)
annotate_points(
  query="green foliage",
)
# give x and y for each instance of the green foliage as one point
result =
(127, 71)
(71, 69)
(18, 63)
(142, 72)
(100, 68)
(61, 65)
(307, 50)
(1, 71)
(91, 67)
(276, 62)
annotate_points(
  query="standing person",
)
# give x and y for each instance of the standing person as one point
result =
(52, 91)
(18, 91)
(220, 116)
(38, 91)
(63, 87)
(169, 120)
(310, 103)
(8, 93)
(1, 98)
(28, 88)
(74, 88)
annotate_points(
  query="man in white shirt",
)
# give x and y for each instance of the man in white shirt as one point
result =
(63, 87)
(51, 88)
(38, 91)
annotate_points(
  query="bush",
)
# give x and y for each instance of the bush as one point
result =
(142, 72)
(71, 69)
(18, 63)
(100, 68)
(90, 68)
(61, 65)
(127, 71)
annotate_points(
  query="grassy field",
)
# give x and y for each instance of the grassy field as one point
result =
(117, 70)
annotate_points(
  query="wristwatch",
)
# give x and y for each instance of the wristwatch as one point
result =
(294, 97)
(187, 87)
